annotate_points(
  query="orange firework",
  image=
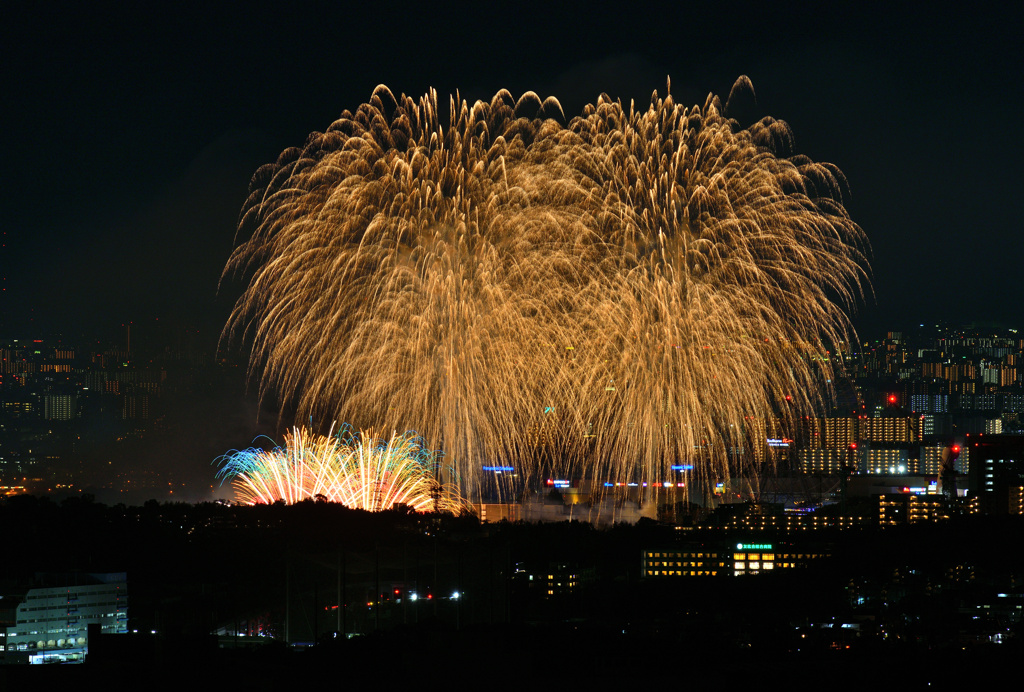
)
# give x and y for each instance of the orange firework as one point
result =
(352, 469)
(612, 296)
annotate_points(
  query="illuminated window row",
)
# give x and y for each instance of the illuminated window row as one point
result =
(682, 573)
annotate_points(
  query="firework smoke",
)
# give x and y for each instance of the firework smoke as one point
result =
(633, 289)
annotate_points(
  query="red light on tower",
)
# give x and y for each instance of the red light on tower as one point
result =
(955, 449)
(892, 398)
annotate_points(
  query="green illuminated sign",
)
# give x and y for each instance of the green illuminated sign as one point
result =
(754, 546)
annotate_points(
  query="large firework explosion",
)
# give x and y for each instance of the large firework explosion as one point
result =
(636, 289)
(351, 468)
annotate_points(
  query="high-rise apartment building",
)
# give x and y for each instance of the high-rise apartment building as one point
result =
(891, 430)
(59, 406)
(929, 403)
(839, 432)
(824, 461)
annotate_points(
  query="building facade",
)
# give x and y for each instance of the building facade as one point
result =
(52, 624)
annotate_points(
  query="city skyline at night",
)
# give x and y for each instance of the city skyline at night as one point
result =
(688, 349)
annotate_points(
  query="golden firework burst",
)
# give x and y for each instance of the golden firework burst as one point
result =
(633, 288)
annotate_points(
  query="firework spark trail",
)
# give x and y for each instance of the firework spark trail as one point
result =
(353, 469)
(657, 277)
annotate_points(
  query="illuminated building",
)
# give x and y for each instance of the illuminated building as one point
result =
(891, 430)
(736, 559)
(930, 462)
(59, 406)
(932, 425)
(53, 623)
(809, 429)
(930, 403)
(882, 444)
(754, 558)
(772, 517)
(885, 460)
(1008, 376)
(979, 402)
(1013, 403)
(22, 407)
(911, 508)
(696, 561)
(967, 387)
(996, 472)
(819, 521)
(827, 448)
(791, 522)
(135, 406)
(839, 432)
(959, 372)
(1016, 499)
(990, 374)
(562, 580)
(828, 461)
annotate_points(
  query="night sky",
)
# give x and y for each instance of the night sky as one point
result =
(131, 133)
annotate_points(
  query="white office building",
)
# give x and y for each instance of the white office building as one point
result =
(52, 624)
